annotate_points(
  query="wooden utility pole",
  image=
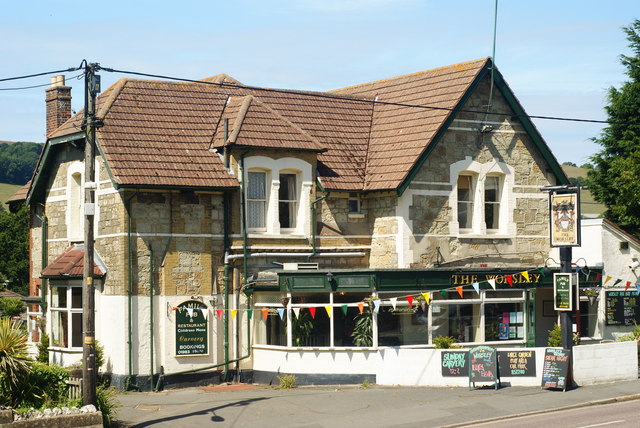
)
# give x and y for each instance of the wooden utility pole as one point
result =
(92, 87)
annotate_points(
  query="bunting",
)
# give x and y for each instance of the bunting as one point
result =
(525, 274)
(249, 313)
(626, 287)
(329, 310)
(509, 279)
(410, 300)
(376, 305)
(234, 312)
(265, 313)
(607, 280)
(312, 310)
(361, 307)
(427, 297)
(219, 313)
(476, 286)
(296, 312)
(492, 283)
(281, 313)
(344, 309)
(394, 302)
(459, 290)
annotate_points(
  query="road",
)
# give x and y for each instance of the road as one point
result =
(617, 415)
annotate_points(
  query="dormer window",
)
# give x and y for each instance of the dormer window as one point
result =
(256, 199)
(278, 193)
(288, 201)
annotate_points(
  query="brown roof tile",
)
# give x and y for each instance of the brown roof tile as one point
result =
(160, 133)
(71, 264)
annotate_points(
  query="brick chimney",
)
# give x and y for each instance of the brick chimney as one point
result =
(58, 99)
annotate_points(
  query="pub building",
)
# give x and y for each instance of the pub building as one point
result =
(499, 307)
(286, 230)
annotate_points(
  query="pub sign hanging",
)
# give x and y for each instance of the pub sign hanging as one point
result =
(192, 329)
(565, 219)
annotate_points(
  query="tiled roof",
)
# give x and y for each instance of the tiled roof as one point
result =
(254, 124)
(160, 133)
(399, 135)
(21, 194)
(71, 264)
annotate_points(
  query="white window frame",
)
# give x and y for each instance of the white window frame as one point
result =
(70, 285)
(304, 182)
(75, 202)
(506, 201)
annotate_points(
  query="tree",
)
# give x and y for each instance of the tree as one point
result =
(569, 164)
(615, 177)
(14, 247)
(18, 161)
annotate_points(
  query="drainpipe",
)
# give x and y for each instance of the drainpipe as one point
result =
(151, 317)
(127, 383)
(313, 224)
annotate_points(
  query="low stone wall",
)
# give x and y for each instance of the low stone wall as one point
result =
(88, 420)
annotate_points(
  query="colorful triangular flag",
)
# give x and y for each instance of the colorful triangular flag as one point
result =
(443, 293)
(234, 312)
(329, 309)
(607, 279)
(459, 290)
(219, 313)
(427, 297)
(281, 313)
(509, 279)
(618, 281)
(204, 313)
(598, 276)
(541, 270)
(525, 275)
(361, 307)
(476, 287)
(344, 309)
(627, 286)
(312, 309)
(410, 300)
(265, 313)
(492, 283)
(394, 302)
(376, 305)
(296, 312)
(190, 312)
(249, 313)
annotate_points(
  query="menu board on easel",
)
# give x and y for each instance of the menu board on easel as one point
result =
(622, 308)
(483, 365)
(555, 369)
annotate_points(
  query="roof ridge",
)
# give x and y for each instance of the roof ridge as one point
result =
(431, 70)
(237, 124)
(115, 90)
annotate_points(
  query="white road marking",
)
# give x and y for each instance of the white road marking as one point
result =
(603, 424)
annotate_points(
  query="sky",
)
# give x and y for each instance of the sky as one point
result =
(559, 57)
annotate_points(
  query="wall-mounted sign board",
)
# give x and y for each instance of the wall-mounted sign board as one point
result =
(517, 363)
(454, 363)
(622, 308)
(192, 329)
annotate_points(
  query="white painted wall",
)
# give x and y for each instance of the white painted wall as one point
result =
(605, 362)
(422, 367)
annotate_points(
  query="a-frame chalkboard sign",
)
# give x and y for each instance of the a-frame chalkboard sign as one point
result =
(555, 370)
(483, 366)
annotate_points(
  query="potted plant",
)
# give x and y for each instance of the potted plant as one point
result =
(591, 293)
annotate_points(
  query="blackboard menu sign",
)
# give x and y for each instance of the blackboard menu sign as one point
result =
(555, 368)
(192, 329)
(622, 308)
(483, 365)
(517, 363)
(454, 363)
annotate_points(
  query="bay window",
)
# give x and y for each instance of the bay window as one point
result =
(66, 316)
(288, 201)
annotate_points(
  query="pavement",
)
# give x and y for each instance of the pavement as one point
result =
(242, 405)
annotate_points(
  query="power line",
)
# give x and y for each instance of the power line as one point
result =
(360, 100)
(34, 86)
(68, 70)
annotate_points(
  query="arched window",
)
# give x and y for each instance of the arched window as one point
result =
(75, 199)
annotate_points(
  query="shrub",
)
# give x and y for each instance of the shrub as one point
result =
(43, 349)
(106, 403)
(287, 381)
(11, 306)
(363, 329)
(444, 342)
(47, 386)
(555, 337)
(15, 364)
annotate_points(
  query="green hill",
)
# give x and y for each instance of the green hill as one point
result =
(6, 191)
(588, 206)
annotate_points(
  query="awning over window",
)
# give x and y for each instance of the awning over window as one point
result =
(71, 264)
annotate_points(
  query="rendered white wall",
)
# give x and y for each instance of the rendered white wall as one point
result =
(605, 362)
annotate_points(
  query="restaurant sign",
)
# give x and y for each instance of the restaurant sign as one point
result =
(192, 329)
(499, 278)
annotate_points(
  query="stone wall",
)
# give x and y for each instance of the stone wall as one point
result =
(426, 205)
